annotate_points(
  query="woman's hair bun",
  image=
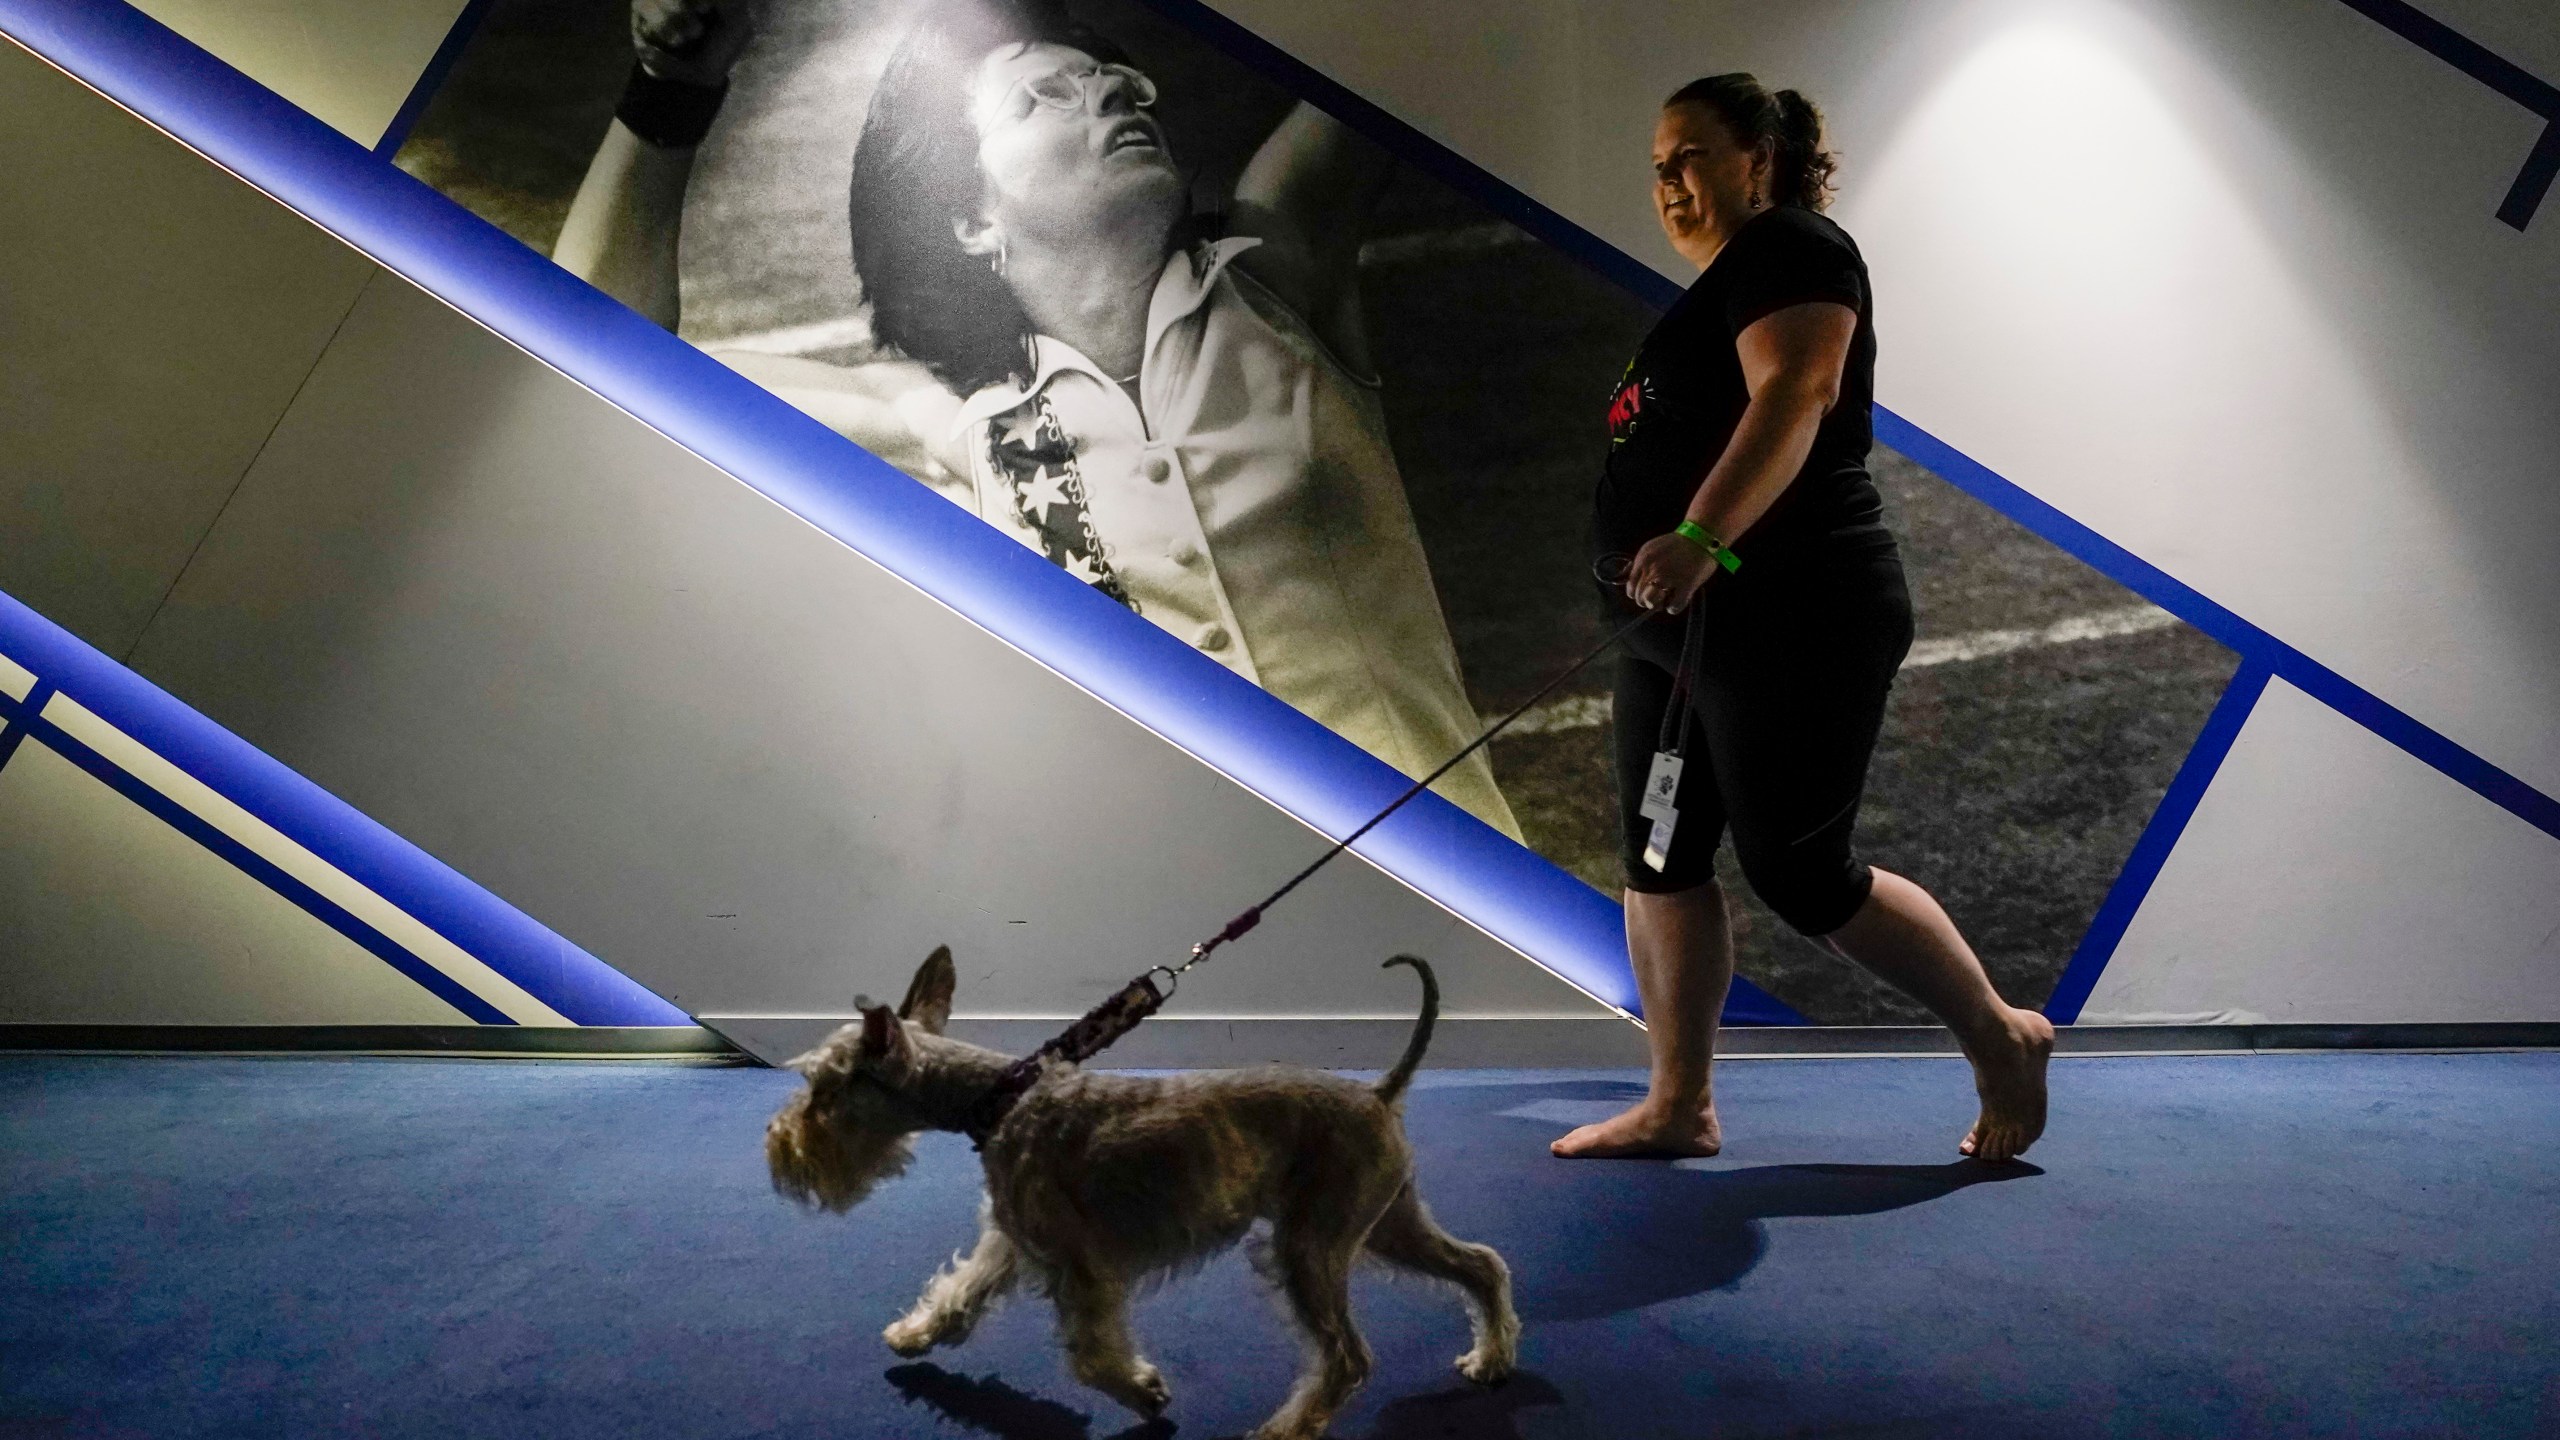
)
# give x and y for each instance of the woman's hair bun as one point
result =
(1801, 170)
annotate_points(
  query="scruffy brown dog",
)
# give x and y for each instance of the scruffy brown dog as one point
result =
(1095, 1183)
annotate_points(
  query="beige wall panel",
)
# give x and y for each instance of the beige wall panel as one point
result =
(350, 62)
(155, 317)
(711, 744)
(110, 916)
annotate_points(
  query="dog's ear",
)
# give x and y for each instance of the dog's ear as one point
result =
(928, 1002)
(884, 1040)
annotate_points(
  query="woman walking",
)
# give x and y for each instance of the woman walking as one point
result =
(1737, 504)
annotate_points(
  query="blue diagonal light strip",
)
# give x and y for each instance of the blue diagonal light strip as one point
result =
(25, 721)
(571, 982)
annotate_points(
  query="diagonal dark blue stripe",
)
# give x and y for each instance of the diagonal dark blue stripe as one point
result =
(2464, 54)
(14, 715)
(2534, 181)
(2498, 73)
(2160, 836)
(257, 867)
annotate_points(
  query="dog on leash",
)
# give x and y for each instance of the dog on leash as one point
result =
(1097, 1183)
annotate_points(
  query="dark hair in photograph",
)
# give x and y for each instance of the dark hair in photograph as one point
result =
(915, 173)
(1801, 170)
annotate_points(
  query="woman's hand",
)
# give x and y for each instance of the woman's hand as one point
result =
(621, 231)
(693, 41)
(1668, 573)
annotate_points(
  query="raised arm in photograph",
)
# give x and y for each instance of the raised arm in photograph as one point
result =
(623, 226)
(1305, 195)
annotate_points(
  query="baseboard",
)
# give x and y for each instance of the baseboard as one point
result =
(1187, 1042)
(2458, 1035)
(624, 1042)
(1574, 1042)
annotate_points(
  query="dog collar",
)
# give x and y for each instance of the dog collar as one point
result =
(1089, 1036)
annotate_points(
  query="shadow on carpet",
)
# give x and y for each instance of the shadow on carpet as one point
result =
(988, 1406)
(1602, 1237)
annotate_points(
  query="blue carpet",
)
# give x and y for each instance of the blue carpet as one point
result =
(2332, 1244)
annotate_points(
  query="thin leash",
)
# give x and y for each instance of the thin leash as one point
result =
(1252, 916)
(1095, 1031)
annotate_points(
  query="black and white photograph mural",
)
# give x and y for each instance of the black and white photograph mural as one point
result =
(1322, 417)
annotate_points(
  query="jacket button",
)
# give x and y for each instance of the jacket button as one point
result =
(1214, 638)
(1159, 469)
(1184, 553)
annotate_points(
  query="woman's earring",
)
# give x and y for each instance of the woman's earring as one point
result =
(1755, 197)
(1000, 260)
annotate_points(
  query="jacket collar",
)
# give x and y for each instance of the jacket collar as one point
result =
(1189, 279)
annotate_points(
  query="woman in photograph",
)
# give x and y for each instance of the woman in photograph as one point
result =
(1176, 409)
(1737, 502)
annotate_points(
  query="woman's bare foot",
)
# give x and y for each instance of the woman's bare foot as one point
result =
(2008, 1074)
(1645, 1131)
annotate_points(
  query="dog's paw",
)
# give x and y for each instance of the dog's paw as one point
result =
(910, 1337)
(1148, 1392)
(1485, 1366)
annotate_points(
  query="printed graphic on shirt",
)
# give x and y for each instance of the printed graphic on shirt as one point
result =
(1029, 450)
(1628, 404)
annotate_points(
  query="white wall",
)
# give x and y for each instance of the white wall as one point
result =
(2330, 877)
(693, 734)
(2219, 278)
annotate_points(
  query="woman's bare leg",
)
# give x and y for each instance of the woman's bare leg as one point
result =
(1903, 936)
(1682, 949)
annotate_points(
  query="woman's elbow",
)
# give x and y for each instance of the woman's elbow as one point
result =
(1800, 397)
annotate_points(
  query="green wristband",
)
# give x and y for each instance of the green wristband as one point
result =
(1698, 535)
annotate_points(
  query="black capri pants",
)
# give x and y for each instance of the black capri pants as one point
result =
(1796, 659)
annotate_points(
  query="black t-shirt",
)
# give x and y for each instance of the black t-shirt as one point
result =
(1684, 392)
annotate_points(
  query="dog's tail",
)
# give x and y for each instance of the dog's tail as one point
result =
(1391, 1085)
